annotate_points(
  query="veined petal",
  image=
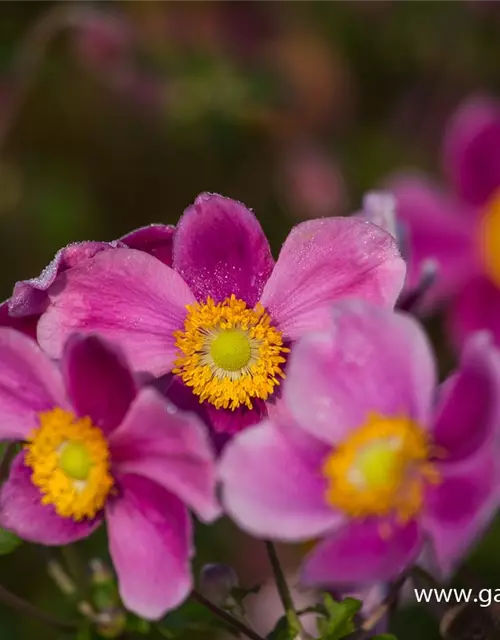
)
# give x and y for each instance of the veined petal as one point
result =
(324, 260)
(125, 295)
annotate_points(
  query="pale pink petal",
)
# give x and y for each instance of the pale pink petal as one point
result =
(327, 259)
(220, 250)
(471, 150)
(22, 512)
(150, 542)
(371, 361)
(98, 380)
(171, 447)
(125, 295)
(273, 487)
(360, 553)
(29, 383)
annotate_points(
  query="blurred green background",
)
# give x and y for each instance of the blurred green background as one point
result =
(114, 115)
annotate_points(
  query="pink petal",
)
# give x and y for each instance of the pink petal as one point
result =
(125, 295)
(30, 296)
(468, 410)
(324, 260)
(460, 508)
(170, 447)
(29, 383)
(150, 542)
(358, 554)
(476, 308)
(439, 229)
(155, 239)
(371, 361)
(24, 324)
(471, 150)
(225, 421)
(220, 249)
(98, 380)
(22, 512)
(272, 487)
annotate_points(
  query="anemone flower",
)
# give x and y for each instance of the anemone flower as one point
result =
(224, 318)
(369, 463)
(94, 448)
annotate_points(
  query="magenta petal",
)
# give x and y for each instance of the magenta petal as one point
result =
(324, 260)
(439, 229)
(273, 487)
(170, 447)
(472, 150)
(150, 542)
(24, 324)
(476, 308)
(22, 512)
(29, 383)
(373, 360)
(98, 380)
(232, 422)
(125, 295)
(220, 249)
(468, 410)
(358, 554)
(459, 509)
(155, 239)
(30, 296)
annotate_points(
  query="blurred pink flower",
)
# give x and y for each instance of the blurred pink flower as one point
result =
(460, 230)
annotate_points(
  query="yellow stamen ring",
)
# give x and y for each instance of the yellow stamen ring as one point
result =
(381, 469)
(489, 239)
(229, 354)
(69, 458)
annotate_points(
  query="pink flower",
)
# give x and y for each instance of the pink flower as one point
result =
(368, 460)
(97, 447)
(223, 318)
(460, 231)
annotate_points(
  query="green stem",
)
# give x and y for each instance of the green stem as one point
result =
(284, 592)
(227, 617)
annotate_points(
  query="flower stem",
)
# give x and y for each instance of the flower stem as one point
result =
(284, 592)
(227, 617)
(25, 608)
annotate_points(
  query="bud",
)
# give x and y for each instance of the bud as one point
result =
(216, 582)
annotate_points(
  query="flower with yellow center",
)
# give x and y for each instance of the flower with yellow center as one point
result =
(229, 354)
(489, 239)
(381, 469)
(69, 459)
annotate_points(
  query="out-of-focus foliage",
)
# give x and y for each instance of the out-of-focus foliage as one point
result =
(114, 115)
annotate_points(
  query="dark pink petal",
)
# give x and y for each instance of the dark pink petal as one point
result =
(170, 447)
(471, 152)
(220, 249)
(155, 239)
(372, 360)
(22, 512)
(25, 324)
(459, 509)
(232, 422)
(324, 260)
(476, 308)
(125, 295)
(273, 487)
(30, 296)
(439, 230)
(98, 380)
(468, 410)
(359, 553)
(29, 383)
(150, 542)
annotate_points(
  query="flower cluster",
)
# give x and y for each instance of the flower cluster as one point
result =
(183, 369)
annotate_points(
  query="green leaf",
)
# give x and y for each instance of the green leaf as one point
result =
(385, 636)
(339, 622)
(8, 542)
(281, 631)
(193, 617)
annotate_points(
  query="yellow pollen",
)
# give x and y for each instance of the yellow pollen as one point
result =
(381, 469)
(231, 350)
(229, 354)
(69, 459)
(489, 239)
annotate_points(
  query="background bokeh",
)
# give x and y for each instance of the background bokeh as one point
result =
(117, 114)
